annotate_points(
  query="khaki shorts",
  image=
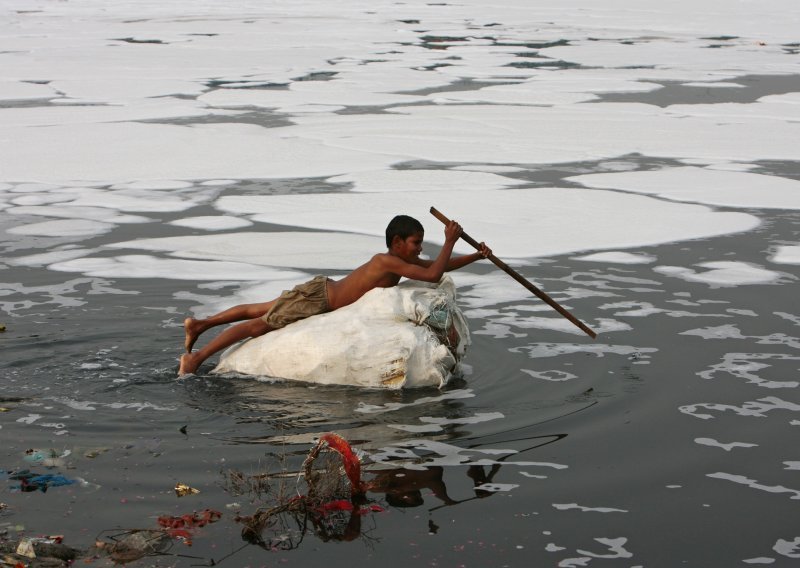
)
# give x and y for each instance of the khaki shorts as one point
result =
(302, 301)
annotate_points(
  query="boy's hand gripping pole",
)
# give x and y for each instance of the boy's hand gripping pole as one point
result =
(521, 279)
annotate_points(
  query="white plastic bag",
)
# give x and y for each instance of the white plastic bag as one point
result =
(411, 335)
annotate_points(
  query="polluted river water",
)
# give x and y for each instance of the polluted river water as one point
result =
(165, 160)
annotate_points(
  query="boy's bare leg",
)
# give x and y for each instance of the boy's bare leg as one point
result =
(194, 327)
(252, 328)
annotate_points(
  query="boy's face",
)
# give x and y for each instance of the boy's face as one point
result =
(409, 248)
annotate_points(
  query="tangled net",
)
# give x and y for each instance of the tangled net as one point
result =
(332, 504)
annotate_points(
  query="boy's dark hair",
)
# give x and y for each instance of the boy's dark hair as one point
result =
(402, 226)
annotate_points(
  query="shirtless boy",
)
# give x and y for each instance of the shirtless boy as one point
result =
(404, 236)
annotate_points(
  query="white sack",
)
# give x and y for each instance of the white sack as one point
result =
(390, 338)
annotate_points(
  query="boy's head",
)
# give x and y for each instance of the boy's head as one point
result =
(402, 226)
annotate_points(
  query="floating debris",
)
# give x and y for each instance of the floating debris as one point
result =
(30, 481)
(332, 506)
(180, 527)
(47, 551)
(182, 490)
(46, 458)
(94, 452)
(132, 545)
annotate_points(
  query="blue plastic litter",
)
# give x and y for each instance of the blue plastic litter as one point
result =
(29, 481)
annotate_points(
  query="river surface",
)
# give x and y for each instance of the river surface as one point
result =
(669, 440)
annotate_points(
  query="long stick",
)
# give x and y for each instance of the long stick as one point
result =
(519, 278)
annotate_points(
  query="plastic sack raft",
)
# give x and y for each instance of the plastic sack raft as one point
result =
(411, 335)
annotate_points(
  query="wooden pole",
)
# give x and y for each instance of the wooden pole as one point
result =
(521, 279)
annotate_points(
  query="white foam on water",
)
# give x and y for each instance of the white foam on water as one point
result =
(550, 375)
(151, 109)
(759, 560)
(496, 487)
(789, 548)
(644, 309)
(331, 95)
(123, 90)
(392, 406)
(540, 350)
(496, 330)
(730, 331)
(212, 223)
(703, 185)
(77, 212)
(154, 184)
(601, 325)
(133, 200)
(725, 446)
(688, 55)
(506, 134)
(424, 180)
(531, 475)
(575, 506)
(607, 219)
(436, 424)
(615, 257)
(795, 319)
(724, 273)
(217, 182)
(63, 228)
(145, 266)
(793, 465)
(52, 257)
(304, 250)
(756, 409)
(714, 85)
(746, 365)
(424, 453)
(616, 548)
(727, 331)
(19, 91)
(738, 312)
(63, 294)
(754, 484)
(39, 199)
(488, 168)
(138, 151)
(764, 110)
(786, 254)
(574, 562)
(29, 419)
(554, 88)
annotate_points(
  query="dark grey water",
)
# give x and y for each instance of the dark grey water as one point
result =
(657, 445)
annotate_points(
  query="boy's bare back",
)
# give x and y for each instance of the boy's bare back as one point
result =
(384, 270)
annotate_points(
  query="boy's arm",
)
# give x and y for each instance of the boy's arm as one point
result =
(462, 261)
(426, 270)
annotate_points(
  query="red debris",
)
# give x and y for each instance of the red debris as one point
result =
(352, 465)
(179, 527)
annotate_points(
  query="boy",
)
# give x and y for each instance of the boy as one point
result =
(404, 236)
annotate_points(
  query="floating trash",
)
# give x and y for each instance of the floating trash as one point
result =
(94, 452)
(29, 481)
(46, 458)
(131, 545)
(180, 527)
(182, 490)
(38, 551)
(332, 506)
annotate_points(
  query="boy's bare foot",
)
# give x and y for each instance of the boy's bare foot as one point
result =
(188, 364)
(192, 328)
